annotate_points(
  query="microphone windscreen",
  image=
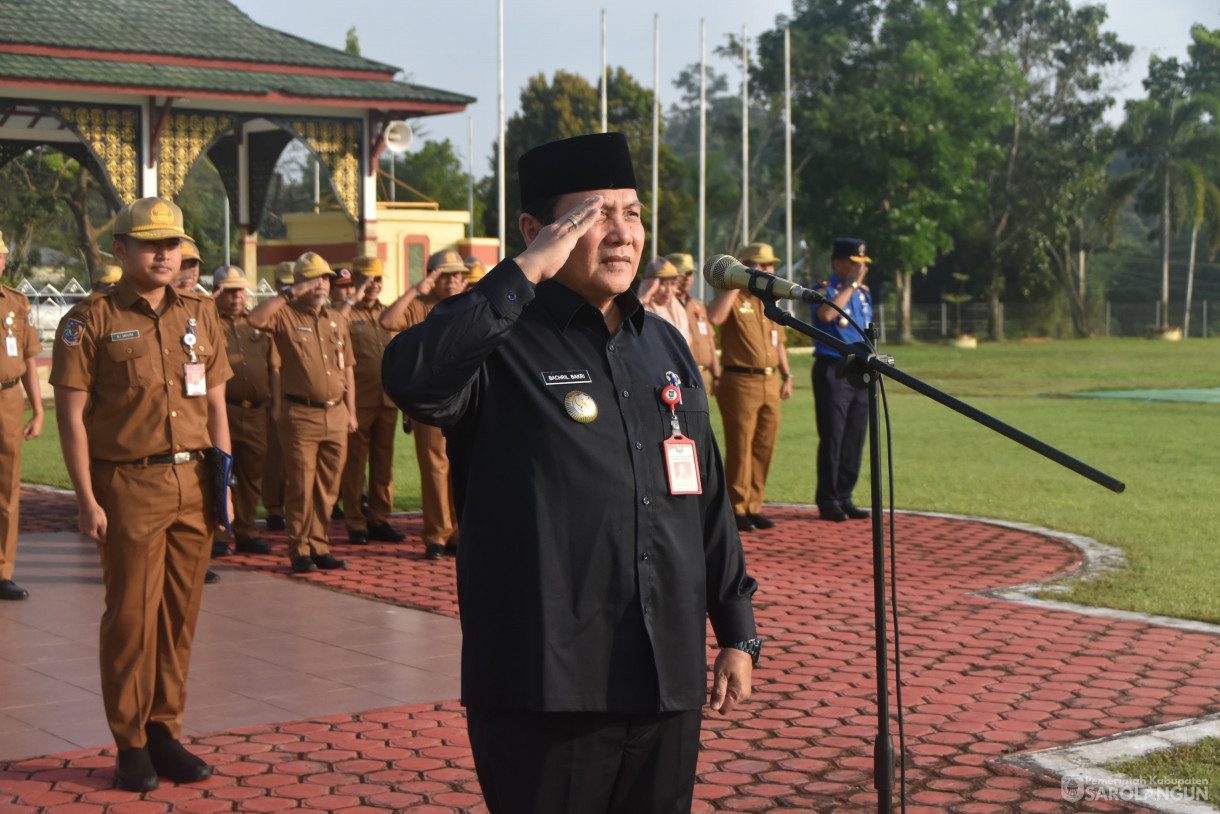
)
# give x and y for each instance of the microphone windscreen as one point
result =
(714, 269)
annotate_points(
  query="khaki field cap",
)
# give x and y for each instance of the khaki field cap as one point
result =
(106, 274)
(660, 268)
(368, 266)
(310, 266)
(150, 219)
(759, 253)
(684, 263)
(446, 261)
(475, 270)
(229, 277)
(189, 250)
(283, 273)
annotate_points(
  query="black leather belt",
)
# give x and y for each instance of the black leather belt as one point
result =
(311, 402)
(173, 458)
(758, 371)
(7, 385)
(244, 403)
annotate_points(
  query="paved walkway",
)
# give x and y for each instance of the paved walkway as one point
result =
(983, 678)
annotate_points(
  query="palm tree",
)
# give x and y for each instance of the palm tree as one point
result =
(1204, 200)
(1166, 136)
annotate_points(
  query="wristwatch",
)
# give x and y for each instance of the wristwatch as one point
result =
(751, 646)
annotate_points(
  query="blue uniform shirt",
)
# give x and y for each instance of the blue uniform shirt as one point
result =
(860, 306)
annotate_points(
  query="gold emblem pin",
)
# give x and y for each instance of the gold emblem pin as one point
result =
(842, 322)
(580, 406)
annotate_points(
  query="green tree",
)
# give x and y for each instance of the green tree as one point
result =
(1166, 135)
(436, 173)
(352, 42)
(568, 105)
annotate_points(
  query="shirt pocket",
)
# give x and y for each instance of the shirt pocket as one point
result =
(692, 412)
(129, 363)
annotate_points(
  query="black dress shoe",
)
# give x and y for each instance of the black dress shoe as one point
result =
(11, 590)
(327, 561)
(832, 513)
(358, 537)
(255, 545)
(761, 521)
(855, 512)
(275, 523)
(211, 577)
(171, 759)
(220, 549)
(133, 771)
(386, 534)
(744, 523)
(303, 565)
(451, 546)
(434, 551)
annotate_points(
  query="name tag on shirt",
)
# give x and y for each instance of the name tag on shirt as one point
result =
(554, 377)
(304, 328)
(119, 337)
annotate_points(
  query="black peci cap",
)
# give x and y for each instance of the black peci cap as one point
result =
(578, 164)
(849, 247)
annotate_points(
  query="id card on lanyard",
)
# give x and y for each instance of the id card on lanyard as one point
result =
(681, 457)
(194, 375)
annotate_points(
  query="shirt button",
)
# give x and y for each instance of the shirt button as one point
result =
(610, 347)
(512, 296)
(646, 501)
(174, 414)
(644, 556)
(638, 445)
(626, 394)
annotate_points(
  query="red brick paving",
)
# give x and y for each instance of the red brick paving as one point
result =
(982, 678)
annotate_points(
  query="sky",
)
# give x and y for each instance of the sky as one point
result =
(453, 45)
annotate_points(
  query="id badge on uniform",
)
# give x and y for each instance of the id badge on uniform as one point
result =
(774, 338)
(10, 345)
(196, 379)
(682, 465)
(340, 360)
(702, 327)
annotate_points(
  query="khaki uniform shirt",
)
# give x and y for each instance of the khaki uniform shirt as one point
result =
(703, 340)
(16, 321)
(368, 344)
(314, 351)
(130, 361)
(748, 338)
(251, 355)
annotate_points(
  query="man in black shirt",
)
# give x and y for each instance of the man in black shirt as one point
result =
(590, 558)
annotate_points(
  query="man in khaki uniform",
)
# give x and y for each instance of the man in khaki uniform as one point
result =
(248, 402)
(21, 345)
(475, 271)
(149, 361)
(445, 278)
(372, 445)
(188, 274)
(753, 362)
(703, 338)
(273, 470)
(319, 406)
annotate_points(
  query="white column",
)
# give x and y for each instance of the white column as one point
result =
(148, 174)
(745, 136)
(702, 155)
(656, 126)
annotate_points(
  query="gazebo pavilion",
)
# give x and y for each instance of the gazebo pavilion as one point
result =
(139, 91)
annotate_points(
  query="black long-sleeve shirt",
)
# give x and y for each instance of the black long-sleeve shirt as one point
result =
(584, 585)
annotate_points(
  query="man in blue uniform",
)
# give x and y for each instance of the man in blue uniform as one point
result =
(597, 533)
(842, 407)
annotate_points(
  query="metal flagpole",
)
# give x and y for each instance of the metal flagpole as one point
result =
(788, 155)
(745, 136)
(702, 154)
(605, 80)
(470, 171)
(500, 134)
(656, 126)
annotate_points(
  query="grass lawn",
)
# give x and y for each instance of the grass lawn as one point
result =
(1189, 769)
(1167, 454)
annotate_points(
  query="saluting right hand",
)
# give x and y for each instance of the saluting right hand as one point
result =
(549, 249)
(304, 287)
(424, 287)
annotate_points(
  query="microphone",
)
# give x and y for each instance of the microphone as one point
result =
(725, 273)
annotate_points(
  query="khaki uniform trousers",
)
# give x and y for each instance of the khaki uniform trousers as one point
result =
(440, 524)
(750, 408)
(273, 466)
(158, 543)
(12, 415)
(373, 444)
(315, 449)
(248, 432)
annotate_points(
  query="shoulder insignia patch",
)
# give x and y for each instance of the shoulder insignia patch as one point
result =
(73, 332)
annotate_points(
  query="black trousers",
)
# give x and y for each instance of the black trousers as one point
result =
(842, 414)
(585, 762)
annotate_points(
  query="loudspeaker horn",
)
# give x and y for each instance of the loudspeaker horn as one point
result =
(398, 137)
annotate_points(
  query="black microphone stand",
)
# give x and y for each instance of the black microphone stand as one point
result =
(863, 365)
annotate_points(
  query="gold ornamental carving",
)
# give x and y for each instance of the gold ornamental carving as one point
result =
(336, 143)
(184, 139)
(111, 134)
